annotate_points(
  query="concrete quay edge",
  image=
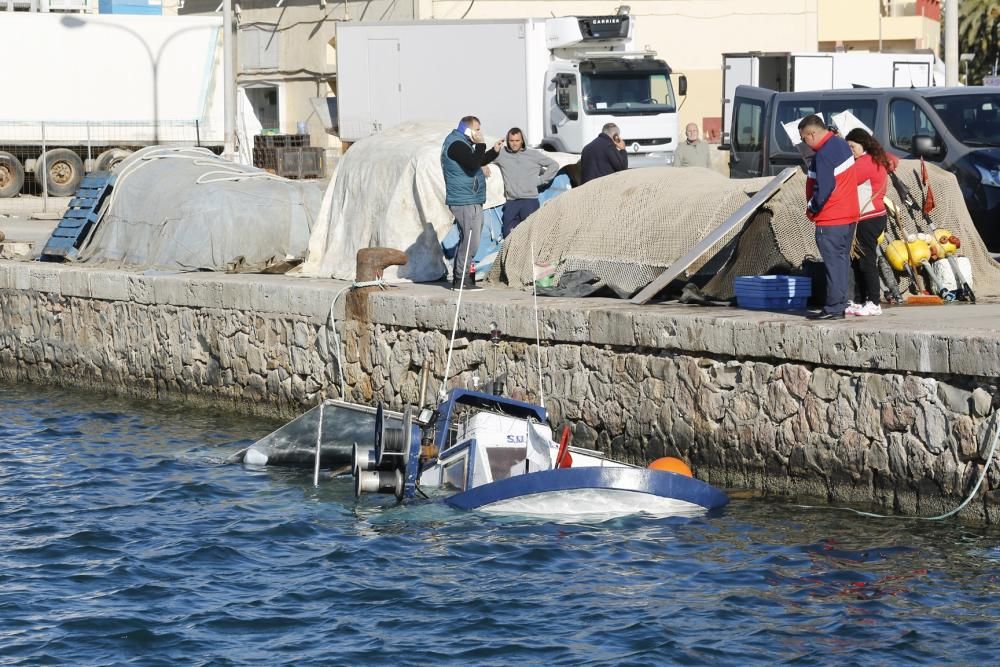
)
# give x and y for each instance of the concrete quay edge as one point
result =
(936, 340)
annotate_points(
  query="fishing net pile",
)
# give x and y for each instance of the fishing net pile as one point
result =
(626, 228)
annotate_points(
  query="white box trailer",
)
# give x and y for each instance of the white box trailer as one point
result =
(103, 84)
(791, 72)
(559, 80)
(388, 73)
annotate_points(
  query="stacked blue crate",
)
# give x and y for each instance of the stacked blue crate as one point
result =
(152, 7)
(772, 292)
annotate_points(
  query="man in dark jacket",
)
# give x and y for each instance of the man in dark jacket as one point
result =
(832, 193)
(604, 155)
(463, 156)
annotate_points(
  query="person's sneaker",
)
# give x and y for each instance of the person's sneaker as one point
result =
(869, 309)
(853, 308)
(823, 315)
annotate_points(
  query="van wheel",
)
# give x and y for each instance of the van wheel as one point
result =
(63, 171)
(11, 175)
(107, 160)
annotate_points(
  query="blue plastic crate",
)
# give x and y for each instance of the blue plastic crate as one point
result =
(772, 292)
(772, 302)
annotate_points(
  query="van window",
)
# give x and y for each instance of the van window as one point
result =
(865, 110)
(905, 120)
(787, 112)
(749, 126)
(972, 119)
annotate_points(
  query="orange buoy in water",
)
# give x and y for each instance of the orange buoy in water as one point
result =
(671, 464)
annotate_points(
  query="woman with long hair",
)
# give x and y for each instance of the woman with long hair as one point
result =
(872, 165)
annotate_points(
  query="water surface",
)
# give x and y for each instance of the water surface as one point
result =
(125, 539)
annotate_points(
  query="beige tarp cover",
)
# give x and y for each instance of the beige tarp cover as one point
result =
(388, 191)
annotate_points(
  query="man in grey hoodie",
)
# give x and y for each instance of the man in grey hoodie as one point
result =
(524, 171)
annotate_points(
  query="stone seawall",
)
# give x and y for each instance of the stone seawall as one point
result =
(894, 412)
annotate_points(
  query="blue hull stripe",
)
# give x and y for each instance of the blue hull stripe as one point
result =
(638, 480)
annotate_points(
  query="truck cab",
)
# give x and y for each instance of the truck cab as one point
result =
(962, 126)
(594, 79)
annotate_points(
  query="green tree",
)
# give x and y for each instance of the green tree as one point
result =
(978, 30)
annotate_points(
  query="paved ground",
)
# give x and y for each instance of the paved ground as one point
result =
(25, 230)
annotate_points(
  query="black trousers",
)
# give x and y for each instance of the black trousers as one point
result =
(866, 278)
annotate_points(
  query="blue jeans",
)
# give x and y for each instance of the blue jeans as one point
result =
(834, 243)
(515, 211)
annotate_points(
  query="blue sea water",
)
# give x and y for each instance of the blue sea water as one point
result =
(125, 539)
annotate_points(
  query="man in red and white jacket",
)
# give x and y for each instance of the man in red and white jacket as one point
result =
(832, 191)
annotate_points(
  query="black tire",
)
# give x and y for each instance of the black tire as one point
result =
(107, 160)
(64, 169)
(11, 175)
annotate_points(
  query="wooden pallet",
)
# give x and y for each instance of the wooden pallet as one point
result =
(81, 217)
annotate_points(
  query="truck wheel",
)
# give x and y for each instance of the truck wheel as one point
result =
(11, 175)
(64, 171)
(107, 160)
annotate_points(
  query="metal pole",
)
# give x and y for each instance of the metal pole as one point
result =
(229, 76)
(951, 12)
(319, 441)
(45, 174)
(880, 26)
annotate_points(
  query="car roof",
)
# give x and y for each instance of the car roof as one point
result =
(878, 92)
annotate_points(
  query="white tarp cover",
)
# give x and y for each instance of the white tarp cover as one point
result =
(388, 191)
(184, 209)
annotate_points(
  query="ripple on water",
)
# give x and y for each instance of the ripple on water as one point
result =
(126, 540)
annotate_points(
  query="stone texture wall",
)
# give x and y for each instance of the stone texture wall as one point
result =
(913, 443)
(909, 444)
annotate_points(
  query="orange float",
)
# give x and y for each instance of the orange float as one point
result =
(671, 464)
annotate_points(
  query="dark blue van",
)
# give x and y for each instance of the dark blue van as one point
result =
(961, 126)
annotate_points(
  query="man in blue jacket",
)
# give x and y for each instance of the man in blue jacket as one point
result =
(463, 156)
(604, 155)
(832, 194)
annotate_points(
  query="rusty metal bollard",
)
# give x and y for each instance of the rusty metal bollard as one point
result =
(371, 262)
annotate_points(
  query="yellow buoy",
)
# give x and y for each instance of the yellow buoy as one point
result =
(943, 237)
(919, 251)
(671, 464)
(895, 252)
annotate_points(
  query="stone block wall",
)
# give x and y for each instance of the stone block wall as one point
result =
(637, 386)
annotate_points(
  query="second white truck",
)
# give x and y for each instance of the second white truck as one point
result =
(559, 80)
(796, 72)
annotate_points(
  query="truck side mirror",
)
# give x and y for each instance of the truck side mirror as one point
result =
(682, 85)
(923, 146)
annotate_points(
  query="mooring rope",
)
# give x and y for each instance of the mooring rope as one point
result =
(968, 499)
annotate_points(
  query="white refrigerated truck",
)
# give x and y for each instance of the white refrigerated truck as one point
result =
(792, 72)
(100, 86)
(560, 80)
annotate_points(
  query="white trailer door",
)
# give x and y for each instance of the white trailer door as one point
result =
(812, 72)
(736, 71)
(907, 73)
(386, 88)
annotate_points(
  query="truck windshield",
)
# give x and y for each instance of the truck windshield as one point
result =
(972, 119)
(629, 92)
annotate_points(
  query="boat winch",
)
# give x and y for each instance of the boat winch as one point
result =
(382, 468)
